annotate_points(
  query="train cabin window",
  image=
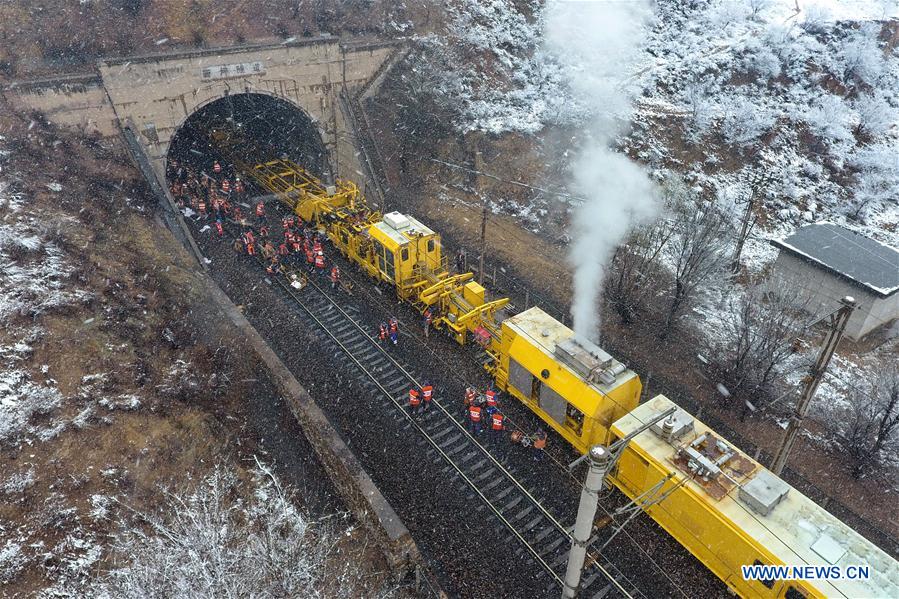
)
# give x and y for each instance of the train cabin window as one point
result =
(405, 254)
(379, 252)
(794, 593)
(535, 388)
(388, 259)
(767, 583)
(574, 419)
(430, 245)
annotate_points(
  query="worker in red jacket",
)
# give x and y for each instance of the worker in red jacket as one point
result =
(490, 394)
(320, 262)
(428, 318)
(414, 400)
(394, 330)
(474, 418)
(260, 210)
(497, 426)
(335, 276)
(427, 394)
(468, 400)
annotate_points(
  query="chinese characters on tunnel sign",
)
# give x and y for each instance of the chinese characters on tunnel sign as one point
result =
(225, 71)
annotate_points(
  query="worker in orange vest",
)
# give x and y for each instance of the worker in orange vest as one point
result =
(497, 426)
(394, 330)
(382, 332)
(427, 394)
(414, 400)
(218, 227)
(335, 276)
(474, 418)
(320, 262)
(468, 401)
(260, 210)
(428, 318)
(490, 394)
(283, 250)
(310, 259)
(539, 445)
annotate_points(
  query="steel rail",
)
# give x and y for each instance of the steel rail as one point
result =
(453, 422)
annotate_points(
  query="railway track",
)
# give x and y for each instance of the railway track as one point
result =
(541, 540)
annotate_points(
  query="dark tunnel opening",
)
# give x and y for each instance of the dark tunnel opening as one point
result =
(245, 129)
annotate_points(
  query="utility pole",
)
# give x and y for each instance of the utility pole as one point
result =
(838, 322)
(583, 525)
(748, 221)
(479, 187)
(602, 460)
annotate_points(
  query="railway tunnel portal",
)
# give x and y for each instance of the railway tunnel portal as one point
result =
(160, 96)
(250, 127)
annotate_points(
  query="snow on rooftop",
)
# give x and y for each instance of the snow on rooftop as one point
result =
(868, 262)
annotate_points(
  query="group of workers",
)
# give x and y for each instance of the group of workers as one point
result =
(214, 195)
(482, 413)
(389, 332)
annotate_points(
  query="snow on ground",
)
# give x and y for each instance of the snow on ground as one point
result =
(815, 93)
(817, 101)
(35, 278)
(837, 10)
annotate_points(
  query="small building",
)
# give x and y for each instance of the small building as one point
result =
(825, 262)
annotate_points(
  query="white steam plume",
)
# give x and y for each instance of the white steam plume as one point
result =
(597, 43)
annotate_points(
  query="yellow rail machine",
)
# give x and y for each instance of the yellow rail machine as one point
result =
(729, 511)
(573, 385)
(396, 249)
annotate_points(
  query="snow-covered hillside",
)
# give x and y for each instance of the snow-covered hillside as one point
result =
(810, 97)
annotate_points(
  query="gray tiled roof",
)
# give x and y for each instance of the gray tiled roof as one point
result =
(869, 263)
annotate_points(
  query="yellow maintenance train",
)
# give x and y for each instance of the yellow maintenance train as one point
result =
(724, 507)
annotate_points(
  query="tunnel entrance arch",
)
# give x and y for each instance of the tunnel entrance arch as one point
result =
(251, 127)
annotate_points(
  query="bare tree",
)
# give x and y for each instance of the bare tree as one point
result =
(636, 274)
(757, 337)
(220, 541)
(697, 251)
(872, 422)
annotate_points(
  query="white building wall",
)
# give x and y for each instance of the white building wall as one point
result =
(822, 291)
